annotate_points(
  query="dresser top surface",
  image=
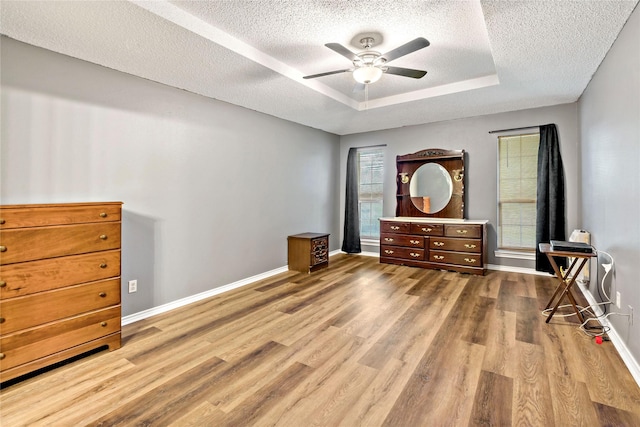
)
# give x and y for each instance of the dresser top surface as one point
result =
(434, 220)
(58, 205)
(309, 235)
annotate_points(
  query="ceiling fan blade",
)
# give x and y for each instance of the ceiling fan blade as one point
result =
(338, 48)
(328, 73)
(406, 48)
(406, 72)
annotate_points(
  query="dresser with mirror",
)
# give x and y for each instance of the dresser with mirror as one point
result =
(430, 229)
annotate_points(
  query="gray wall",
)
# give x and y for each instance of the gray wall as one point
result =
(211, 190)
(473, 136)
(609, 114)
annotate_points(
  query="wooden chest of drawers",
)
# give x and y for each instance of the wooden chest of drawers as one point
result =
(308, 252)
(432, 243)
(59, 283)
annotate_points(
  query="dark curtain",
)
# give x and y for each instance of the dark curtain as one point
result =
(550, 205)
(351, 242)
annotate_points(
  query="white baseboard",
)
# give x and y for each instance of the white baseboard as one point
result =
(141, 315)
(618, 342)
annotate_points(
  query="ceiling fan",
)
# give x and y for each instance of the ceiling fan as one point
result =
(368, 66)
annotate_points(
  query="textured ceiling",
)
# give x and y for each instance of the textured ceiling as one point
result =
(485, 56)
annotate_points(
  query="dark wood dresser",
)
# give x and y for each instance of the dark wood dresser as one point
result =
(457, 245)
(308, 252)
(59, 283)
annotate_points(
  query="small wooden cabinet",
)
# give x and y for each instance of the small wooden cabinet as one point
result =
(59, 283)
(308, 252)
(458, 245)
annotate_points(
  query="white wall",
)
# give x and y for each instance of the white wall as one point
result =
(609, 114)
(210, 190)
(472, 135)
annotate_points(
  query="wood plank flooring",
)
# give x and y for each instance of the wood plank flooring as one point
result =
(357, 344)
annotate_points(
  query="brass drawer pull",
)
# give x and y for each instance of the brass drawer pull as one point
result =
(2, 221)
(438, 257)
(471, 260)
(388, 239)
(394, 227)
(468, 246)
(2, 356)
(388, 251)
(438, 243)
(413, 254)
(3, 249)
(103, 324)
(103, 265)
(2, 319)
(414, 242)
(102, 294)
(461, 231)
(103, 236)
(3, 283)
(428, 230)
(103, 214)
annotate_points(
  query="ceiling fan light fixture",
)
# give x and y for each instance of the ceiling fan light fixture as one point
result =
(367, 75)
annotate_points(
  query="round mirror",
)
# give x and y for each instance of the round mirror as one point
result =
(430, 188)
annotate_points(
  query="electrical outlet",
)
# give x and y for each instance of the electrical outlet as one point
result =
(618, 299)
(630, 315)
(133, 286)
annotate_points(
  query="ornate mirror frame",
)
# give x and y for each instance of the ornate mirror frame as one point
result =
(407, 165)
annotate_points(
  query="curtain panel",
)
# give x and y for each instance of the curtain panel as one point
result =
(351, 242)
(550, 204)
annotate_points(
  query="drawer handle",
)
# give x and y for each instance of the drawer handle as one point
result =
(3, 283)
(103, 214)
(438, 243)
(428, 230)
(388, 239)
(103, 324)
(438, 257)
(2, 221)
(394, 227)
(413, 254)
(2, 356)
(388, 251)
(103, 265)
(461, 231)
(1, 319)
(414, 242)
(468, 246)
(102, 294)
(103, 236)
(3, 249)
(471, 260)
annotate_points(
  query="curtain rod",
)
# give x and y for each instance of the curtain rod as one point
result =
(507, 130)
(371, 146)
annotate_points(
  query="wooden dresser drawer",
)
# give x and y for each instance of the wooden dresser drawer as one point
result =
(402, 252)
(395, 227)
(24, 346)
(459, 245)
(471, 231)
(27, 244)
(426, 229)
(457, 258)
(26, 278)
(402, 240)
(319, 250)
(19, 216)
(53, 305)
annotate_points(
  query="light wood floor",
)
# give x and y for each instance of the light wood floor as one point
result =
(357, 344)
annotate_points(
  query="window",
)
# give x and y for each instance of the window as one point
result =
(517, 181)
(370, 178)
